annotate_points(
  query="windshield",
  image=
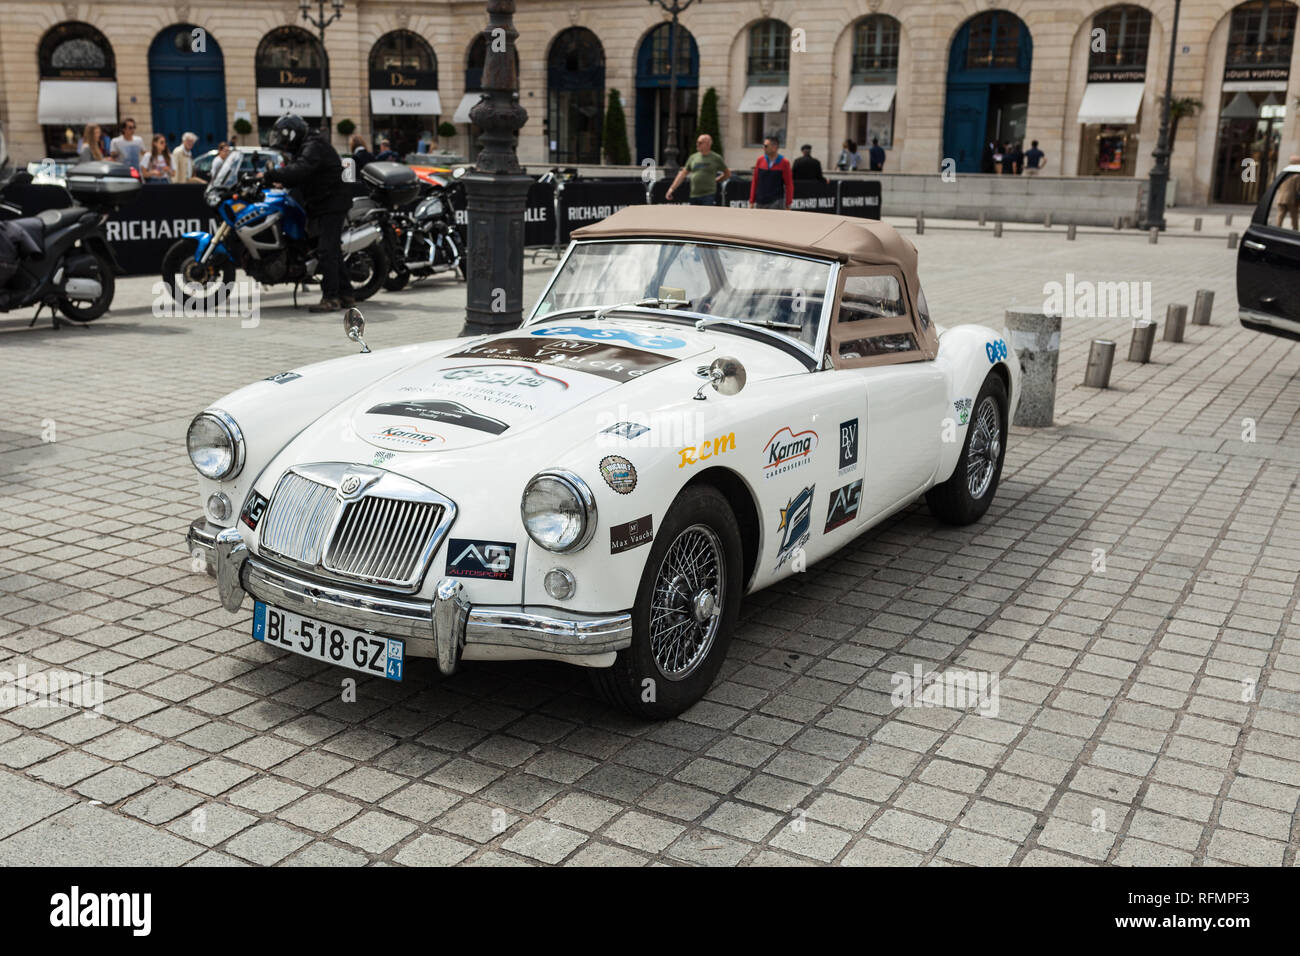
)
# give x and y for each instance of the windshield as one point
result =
(229, 170)
(752, 285)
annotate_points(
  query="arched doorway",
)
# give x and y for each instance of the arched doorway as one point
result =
(289, 67)
(869, 107)
(78, 86)
(767, 81)
(1253, 106)
(187, 85)
(404, 104)
(1112, 98)
(575, 93)
(988, 88)
(653, 86)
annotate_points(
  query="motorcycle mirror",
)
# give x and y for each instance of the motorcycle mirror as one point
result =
(354, 324)
(458, 172)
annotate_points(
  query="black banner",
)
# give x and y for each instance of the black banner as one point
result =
(585, 201)
(812, 196)
(859, 198)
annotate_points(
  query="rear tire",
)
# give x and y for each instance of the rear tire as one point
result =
(78, 311)
(210, 276)
(685, 611)
(964, 497)
(366, 268)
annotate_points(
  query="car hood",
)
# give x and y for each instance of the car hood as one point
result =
(510, 383)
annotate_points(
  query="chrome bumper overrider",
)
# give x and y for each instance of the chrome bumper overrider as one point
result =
(450, 622)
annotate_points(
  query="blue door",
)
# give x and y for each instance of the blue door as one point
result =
(187, 88)
(991, 49)
(964, 119)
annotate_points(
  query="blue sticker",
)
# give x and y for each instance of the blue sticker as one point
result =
(613, 335)
(995, 350)
(259, 621)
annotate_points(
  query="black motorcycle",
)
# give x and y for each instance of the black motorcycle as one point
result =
(60, 258)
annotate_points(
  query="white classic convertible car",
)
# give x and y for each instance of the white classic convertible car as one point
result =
(703, 401)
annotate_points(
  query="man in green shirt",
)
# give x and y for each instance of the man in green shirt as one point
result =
(706, 169)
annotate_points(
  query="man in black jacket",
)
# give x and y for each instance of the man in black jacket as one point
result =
(315, 168)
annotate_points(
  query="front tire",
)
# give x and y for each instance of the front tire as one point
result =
(87, 311)
(964, 497)
(210, 277)
(685, 611)
(366, 268)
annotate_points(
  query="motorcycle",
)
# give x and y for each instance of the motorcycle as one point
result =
(273, 245)
(60, 258)
(427, 239)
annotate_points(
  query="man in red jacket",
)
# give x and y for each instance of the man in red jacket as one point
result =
(773, 184)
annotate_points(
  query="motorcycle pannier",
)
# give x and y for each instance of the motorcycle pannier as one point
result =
(103, 184)
(392, 184)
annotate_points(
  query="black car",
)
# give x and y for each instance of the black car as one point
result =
(1268, 262)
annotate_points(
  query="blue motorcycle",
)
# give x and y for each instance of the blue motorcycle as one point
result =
(263, 231)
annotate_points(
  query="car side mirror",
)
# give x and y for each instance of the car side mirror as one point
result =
(726, 375)
(354, 324)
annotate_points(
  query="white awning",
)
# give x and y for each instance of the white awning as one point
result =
(405, 103)
(869, 99)
(1254, 86)
(1113, 103)
(467, 103)
(76, 102)
(763, 99)
(273, 101)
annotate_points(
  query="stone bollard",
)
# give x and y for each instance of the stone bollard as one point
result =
(1232, 240)
(1035, 339)
(997, 230)
(1069, 232)
(982, 217)
(1203, 307)
(1196, 224)
(1047, 221)
(1101, 356)
(1153, 235)
(920, 224)
(1139, 347)
(1175, 322)
(1227, 220)
(1119, 222)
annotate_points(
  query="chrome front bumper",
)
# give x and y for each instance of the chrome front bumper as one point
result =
(443, 628)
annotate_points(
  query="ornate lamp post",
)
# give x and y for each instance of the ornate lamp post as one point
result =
(320, 23)
(676, 8)
(497, 190)
(1158, 183)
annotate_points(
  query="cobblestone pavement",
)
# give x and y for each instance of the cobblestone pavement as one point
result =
(1149, 712)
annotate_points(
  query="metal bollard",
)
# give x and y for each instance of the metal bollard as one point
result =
(1047, 221)
(1101, 356)
(1232, 240)
(1069, 232)
(1153, 235)
(1175, 322)
(920, 224)
(1196, 224)
(982, 217)
(1203, 307)
(997, 230)
(1119, 222)
(1139, 347)
(1227, 220)
(1035, 338)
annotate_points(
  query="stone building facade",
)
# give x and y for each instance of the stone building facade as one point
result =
(933, 80)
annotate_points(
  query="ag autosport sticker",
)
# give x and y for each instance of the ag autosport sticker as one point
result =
(254, 508)
(596, 358)
(471, 558)
(448, 413)
(843, 505)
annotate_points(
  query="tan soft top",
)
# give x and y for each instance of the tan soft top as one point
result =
(845, 238)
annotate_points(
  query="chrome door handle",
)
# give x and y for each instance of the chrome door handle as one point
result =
(1257, 246)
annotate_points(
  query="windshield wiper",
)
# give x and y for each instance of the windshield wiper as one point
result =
(658, 303)
(702, 324)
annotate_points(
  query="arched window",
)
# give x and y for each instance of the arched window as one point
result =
(77, 87)
(290, 67)
(658, 40)
(575, 81)
(404, 51)
(875, 49)
(74, 51)
(1124, 39)
(995, 41)
(404, 102)
(769, 52)
(1261, 34)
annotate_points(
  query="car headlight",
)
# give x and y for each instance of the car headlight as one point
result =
(216, 445)
(559, 511)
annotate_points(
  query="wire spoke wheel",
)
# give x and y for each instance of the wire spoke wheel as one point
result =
(985, 448)
(686, 606)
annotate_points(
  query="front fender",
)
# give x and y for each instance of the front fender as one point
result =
(204, 239)
(969, 353)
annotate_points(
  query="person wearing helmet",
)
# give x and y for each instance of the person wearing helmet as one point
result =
(315, 169)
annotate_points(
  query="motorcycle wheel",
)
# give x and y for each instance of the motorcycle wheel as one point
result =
(397, 280)
(179, 261)
(95, 308)
(367, 268)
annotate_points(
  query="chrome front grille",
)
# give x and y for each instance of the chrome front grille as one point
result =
(383, 540)
(384, 533)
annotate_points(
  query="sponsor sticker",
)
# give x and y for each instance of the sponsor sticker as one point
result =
(848, 445)
(787, 450)
(619, 473)
(706, 450)
(408, 436)
(795, 526)
(472, 558)
(633, 534)
(254, 508)
(628, 430)
(995, 350)
(282, 377)
(382, 456)
(962, 407)
(507, 376)
(609, 361)
(448, 413)
(638, 339)
(843, 505)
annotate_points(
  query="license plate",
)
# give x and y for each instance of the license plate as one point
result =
(355, 650)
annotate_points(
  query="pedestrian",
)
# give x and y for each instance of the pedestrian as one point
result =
(773, 184)
(91, 148)
(386, 153)
(876, 155)
(183, 158)
(157, 168)
(1288, 197)
(807, 167)
(988, 157)
(223, 153)
(706, 169)
(1012, 160)
(316, 167)
(128, 148)
(849, 158)
(1034, 159)
(360, 155)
